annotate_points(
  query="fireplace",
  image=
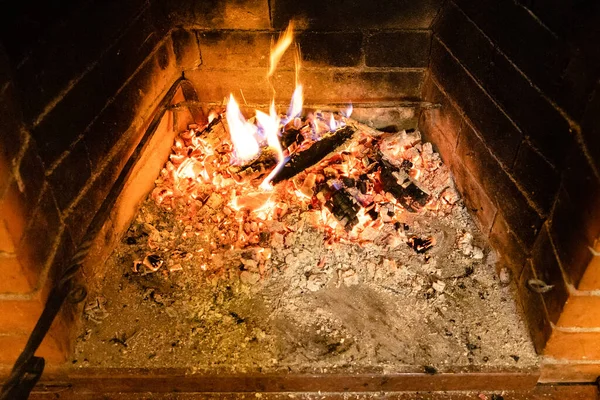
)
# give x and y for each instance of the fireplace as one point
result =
(512, 113)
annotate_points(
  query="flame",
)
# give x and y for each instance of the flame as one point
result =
(277, 50)
(332, 123)
(270, 125)
(242, 134)
(348, 112)
(296, 104)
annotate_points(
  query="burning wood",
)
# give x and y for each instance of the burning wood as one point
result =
(315, 153)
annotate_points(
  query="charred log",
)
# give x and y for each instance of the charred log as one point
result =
(315, 153)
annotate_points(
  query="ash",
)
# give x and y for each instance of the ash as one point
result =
(388, 284)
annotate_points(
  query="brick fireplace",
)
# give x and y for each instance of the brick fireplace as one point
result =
(513, 112)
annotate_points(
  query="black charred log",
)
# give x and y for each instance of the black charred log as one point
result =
(315, 153)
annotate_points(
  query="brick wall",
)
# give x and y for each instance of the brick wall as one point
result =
(77, 89)
(518, 123)
(357, 51)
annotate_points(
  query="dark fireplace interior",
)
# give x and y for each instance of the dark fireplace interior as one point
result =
(506, 91)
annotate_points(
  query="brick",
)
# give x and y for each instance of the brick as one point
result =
(215, 14)
(19, 316)
(498, 131)
(539, 120)
(447, 117)
(331, 49)
(6, 242)
(533, 308)
(15, 211)
(11, 138)
(40, 236)
(443, 142)
(69, 118)
(132, 106)
(569, 239)
(591, 276)
(340, 15)
(67, 185)
(398, 49)
(465, 40)
(574, 346)
(538, 178)
(389, 118)
(590, 127)
(544, 58)
(186, 49)
(583, 188)
(14, 279)
(546, 268)
(477, 201)
(65, 249)
(570, 372)
(141, 180)
(507, 245)
(12, 345)
(31, 173)
(238, 49)
(581, 312)
(5, 174)
(321, 86)
(522, 218)
(77, 42)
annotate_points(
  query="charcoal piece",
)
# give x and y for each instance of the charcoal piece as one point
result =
(315, 153)
(291, 136)
(348, 182)
(406, 165)
(411, 197)
(362, 186)
(343, 206)
(421, 245)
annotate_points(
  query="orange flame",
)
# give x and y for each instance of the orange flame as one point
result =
(277, 50)
(242, 134)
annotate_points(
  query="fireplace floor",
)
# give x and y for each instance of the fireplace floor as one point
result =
(357, 309)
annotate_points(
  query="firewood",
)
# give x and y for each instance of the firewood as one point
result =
(315, 153)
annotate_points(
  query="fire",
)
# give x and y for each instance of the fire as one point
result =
(296, 104)
(277, 50)
(242, 134)
(270, 125)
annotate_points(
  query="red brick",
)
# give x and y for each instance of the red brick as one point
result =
(509, 248)
(476, 200)
(591, 276)
(574, 345)
(6, 242)
(533, 308)
(569, 372)
(581, 312)
(13, 277)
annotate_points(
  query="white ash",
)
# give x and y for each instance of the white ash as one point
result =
(298, 300)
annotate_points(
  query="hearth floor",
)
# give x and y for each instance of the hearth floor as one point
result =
(396, 311)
